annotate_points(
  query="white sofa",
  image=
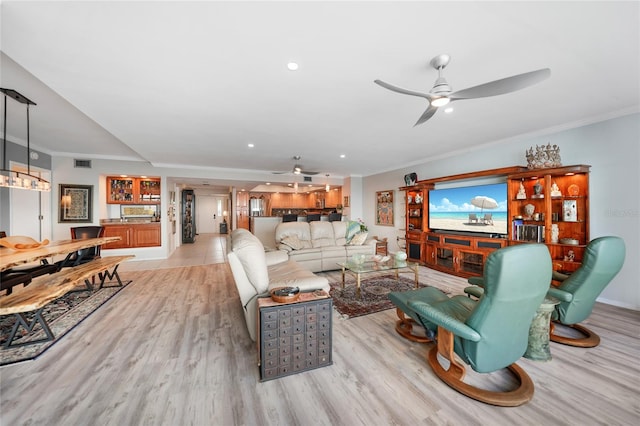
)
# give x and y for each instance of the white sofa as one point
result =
(257, 272)
(319, 246)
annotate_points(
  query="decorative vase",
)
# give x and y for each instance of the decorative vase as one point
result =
(400, 255)
(555, 232)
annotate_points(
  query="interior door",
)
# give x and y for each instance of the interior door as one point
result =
(206, 214)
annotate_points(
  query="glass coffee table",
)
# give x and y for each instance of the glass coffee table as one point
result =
(359, 269)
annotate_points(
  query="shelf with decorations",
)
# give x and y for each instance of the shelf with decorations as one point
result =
(133, 190)
(551, 206)
(415, 220)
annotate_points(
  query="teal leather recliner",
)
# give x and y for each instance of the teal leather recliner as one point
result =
(602, 260)
(491, 333)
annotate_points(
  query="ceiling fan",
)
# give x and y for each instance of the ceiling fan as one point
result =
(297, 169)
(441, 93)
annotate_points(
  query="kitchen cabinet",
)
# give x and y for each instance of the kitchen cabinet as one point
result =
(133, 235)
(242, 209)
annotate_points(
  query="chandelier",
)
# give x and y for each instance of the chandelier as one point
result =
(13, 178)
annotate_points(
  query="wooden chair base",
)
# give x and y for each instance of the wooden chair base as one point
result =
(456, 372)
(590, 339)
(404, 327)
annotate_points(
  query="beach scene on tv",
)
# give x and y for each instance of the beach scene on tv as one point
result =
(480, 208)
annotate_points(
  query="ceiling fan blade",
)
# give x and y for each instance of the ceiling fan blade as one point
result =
(426, 115)
(279, 173)
(308, 173)
(401, 90)
(502, 86)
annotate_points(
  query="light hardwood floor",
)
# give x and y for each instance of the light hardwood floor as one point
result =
(172, 349)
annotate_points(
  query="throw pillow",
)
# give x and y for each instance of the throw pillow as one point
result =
(292, 241)
(352, 229)
(358, 239)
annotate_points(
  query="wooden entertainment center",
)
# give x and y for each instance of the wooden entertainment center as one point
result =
(557, 198)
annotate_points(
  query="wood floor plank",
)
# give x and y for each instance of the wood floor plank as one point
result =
(172, 349)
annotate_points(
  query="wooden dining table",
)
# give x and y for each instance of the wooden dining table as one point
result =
(10, 258)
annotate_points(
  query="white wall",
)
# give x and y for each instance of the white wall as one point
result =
(611, 147)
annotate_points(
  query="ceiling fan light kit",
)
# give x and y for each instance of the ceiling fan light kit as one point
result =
(441, 93)
(297, 169)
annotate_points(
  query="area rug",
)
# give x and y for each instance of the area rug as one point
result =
(373, 295)
(62, 315)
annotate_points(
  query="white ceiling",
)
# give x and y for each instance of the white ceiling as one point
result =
(190, 84)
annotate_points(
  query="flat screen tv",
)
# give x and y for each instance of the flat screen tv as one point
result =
(473, 209)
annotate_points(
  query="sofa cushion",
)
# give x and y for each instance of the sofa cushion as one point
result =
(340, 232)
(299, 229)
(292, 241)
(290, 274)
(250, 252)
(358, 239)
(322, 234)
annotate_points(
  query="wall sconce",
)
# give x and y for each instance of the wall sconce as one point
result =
(12, 178)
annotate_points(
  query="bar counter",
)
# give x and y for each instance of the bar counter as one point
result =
(134, 233)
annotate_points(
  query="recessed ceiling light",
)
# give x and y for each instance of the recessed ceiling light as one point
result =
(448, 110)
(268, 183)
(250, 145)
(342, 156)
(292, 66)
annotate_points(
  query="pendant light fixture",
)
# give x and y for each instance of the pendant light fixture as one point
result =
(11, 178)
(327, 188)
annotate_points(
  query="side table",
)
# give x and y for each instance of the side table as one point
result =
(538, 347)
(381, 247)
(294, 337)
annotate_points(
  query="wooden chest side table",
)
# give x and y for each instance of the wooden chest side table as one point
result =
(381, 247)
(294, 337)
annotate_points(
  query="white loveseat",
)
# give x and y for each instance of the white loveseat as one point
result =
(257, 272)
(319, 246)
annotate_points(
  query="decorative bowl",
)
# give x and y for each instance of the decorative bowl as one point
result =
(571, 241)
(380, 259)
(401, 255)
(285, 294)
(358, 258)
(18, 243)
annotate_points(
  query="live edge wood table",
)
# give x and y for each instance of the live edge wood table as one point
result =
(294, 337)
(10, 258)
(47, 288)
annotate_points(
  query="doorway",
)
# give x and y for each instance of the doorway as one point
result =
(209, 210)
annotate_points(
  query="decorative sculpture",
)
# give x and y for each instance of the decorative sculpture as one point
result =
(555, 191)
(522, 193)
(543, 157)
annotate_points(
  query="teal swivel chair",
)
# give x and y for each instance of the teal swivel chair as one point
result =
(491, 333)
(602, 260)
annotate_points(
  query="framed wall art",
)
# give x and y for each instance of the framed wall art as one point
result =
(570, 211)
(384, 208)
(76, 203)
